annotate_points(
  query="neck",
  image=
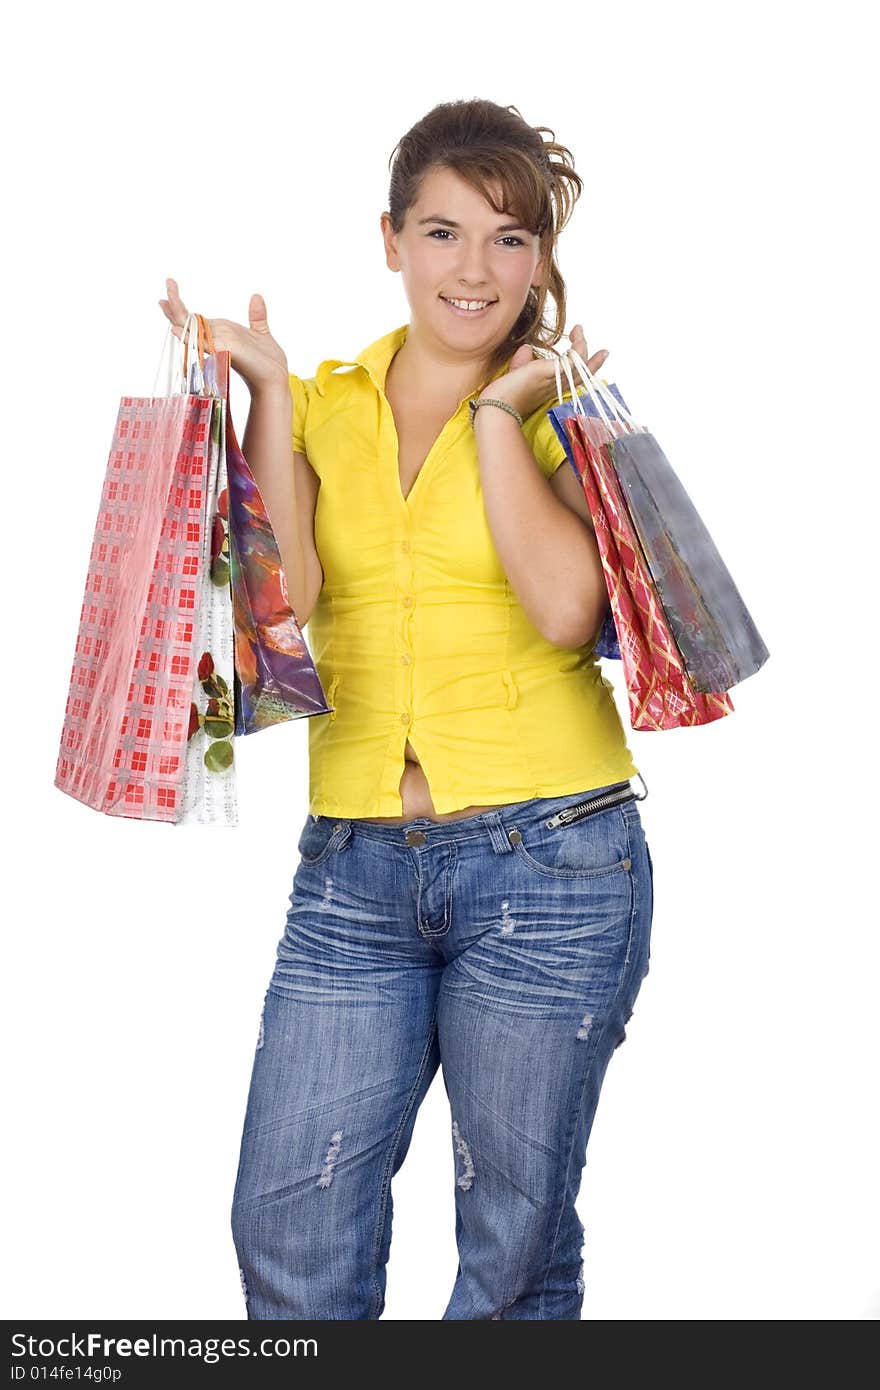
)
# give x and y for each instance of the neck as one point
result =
(426, 366)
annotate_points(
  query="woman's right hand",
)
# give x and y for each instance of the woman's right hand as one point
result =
(255, 355)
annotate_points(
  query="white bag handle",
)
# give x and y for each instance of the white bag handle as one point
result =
(174, 375)
(593, 382)
(194, 364)
(169, 342)
(577, 403)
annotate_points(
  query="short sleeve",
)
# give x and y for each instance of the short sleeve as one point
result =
(299, 391)
(546, 444)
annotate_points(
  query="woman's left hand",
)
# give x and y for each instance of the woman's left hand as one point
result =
(530, 380)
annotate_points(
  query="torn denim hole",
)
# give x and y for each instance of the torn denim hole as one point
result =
(622, 1037)
(580, 1274)
(244, 1287)
(507, 922)
(327, 900)
(585, 1026)
(466, 1178)
(330, 1159)
(262, 1034)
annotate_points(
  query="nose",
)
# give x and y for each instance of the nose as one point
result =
(472, 275)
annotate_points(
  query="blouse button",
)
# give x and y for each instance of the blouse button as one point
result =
(406, 658)
(407, 600)
(405, 546)
(405, 718)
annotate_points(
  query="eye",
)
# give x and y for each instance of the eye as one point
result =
(445, 232)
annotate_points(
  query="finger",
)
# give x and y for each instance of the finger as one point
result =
(257, 316)
(178, 314)
(166, 310)
(579, 343)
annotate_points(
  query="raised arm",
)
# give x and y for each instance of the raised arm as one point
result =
(287, 483)
(289, 488)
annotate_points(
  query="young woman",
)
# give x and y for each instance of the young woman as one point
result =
(445, 910)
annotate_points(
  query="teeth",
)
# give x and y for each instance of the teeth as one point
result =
(469, 303)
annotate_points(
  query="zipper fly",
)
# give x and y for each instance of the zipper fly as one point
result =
(597, 803)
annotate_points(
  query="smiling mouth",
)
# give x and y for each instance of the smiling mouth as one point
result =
(460, 309)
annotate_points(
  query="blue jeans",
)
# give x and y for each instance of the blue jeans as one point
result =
(507, 951)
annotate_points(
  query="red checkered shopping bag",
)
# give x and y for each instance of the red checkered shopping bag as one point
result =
(126, 725)
(155, 698)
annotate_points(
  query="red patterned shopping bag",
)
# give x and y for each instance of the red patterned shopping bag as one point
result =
(684, 634)
(208, 792)
(186, 635)
(126, 726)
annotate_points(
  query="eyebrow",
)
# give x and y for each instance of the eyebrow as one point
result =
(447, 222)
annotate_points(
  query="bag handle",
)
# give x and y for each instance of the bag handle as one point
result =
(205, 343)
(175, 375)
(576, 401)
(177, 365)
(196, 368)
(620, 412)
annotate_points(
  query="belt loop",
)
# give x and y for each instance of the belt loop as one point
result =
(497, 834)
(342, 829)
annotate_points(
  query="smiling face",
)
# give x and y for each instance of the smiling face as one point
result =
(455, 246)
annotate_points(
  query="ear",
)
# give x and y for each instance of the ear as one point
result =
(391, 258)
(538, 274)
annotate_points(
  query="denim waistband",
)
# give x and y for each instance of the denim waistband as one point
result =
(467, 826)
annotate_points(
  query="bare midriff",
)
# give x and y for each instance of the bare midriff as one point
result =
(416, 796)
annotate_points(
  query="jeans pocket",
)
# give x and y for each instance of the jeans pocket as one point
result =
(590, 848)
(320, 836)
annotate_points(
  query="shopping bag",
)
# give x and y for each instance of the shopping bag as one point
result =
(124, 740)
(154, 698)
(275, 677)
(606, 643)
(684, 633)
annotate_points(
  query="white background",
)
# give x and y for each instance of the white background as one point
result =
(724, 252)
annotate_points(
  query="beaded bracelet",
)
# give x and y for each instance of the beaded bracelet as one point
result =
(474, 405)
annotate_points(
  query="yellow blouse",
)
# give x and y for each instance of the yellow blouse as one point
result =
(417, 633)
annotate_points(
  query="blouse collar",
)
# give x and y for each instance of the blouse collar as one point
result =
(376, 359)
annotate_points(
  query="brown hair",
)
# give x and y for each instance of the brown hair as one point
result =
(484, 142)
